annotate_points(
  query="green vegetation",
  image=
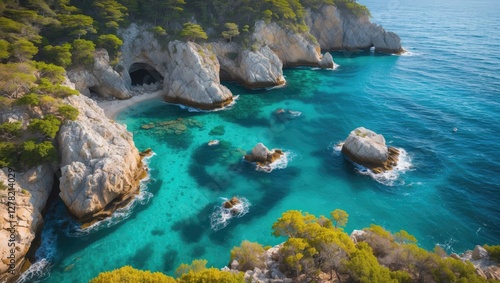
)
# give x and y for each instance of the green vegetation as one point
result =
(249, 255)
(192, 32)
(129, 274)
(231, 31)
(315, 248)
(494, 252)
(197, 273)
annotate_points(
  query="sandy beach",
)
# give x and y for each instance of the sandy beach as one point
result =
(112, 108)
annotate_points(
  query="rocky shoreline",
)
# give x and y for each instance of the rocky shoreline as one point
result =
(100, 167)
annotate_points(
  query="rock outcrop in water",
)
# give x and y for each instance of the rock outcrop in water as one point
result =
(339, 29)
(368, 148)
(100, 165)
(101, 78)
(31, 190)
(262, 156)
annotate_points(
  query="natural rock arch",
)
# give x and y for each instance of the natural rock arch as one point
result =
(142, 73)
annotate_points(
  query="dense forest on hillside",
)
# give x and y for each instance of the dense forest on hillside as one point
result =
(40, 39)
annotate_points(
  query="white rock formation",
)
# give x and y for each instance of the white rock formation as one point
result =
(258, 68)
(293, 49)
(101, 78)
(192, 77)
(365, 147)
(336, 29)
(99, 162)
(31, 191)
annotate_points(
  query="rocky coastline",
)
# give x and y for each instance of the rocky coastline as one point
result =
(100, 167)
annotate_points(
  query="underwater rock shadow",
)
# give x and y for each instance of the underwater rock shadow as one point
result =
(193, 228)
(169, 259)
(141, 256)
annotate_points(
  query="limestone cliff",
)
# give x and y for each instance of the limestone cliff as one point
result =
(100, 78)
(338, 29)
(292, 48)
(28, 199)
(192, 77)
(189, 71)
(258, 68)
(100, 165)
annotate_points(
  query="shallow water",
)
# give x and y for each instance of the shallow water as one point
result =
(449, 194)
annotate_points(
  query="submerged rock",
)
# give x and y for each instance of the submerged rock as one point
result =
(262, 156)
(100, 165)
(368, 148)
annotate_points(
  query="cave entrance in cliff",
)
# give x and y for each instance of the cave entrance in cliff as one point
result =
(142, 73)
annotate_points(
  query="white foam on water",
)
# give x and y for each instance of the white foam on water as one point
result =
(221, 216)
(336, 147)
(408, 53)
(281, 163)
(44, 257)
(198, 110)
(335, 66)
(389, 178)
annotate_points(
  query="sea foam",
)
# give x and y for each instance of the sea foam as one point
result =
(388, 178)
(281, 163)
(221, 216)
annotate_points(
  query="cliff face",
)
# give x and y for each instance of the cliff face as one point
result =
(100, 165)
(192, 77)
(31, 191)
(293, 49)
(337, 29)
(101, 78)
(258, 68)
(190, 72)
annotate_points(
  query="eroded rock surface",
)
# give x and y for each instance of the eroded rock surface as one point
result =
(338, 29)
(31, 190)
(100, 165)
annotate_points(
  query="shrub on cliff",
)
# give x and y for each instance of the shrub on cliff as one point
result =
(212, 275)
(493, 252)
(130, 274)
(192, 32)
(249, 255)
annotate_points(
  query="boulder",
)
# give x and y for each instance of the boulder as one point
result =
(100, 78)
(338, 29)
(31, 190)
(479, 253)
(263, 156)
(368, 148)
(100, 165)
(231, 203)
(192, 77)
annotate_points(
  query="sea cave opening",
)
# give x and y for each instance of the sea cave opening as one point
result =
(142, 73)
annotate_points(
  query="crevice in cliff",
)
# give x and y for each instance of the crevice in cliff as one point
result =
(142, 73)
(53, 198)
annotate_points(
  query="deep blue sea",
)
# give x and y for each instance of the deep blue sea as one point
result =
(446, 191)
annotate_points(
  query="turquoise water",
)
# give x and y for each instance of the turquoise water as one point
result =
(449, 195)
